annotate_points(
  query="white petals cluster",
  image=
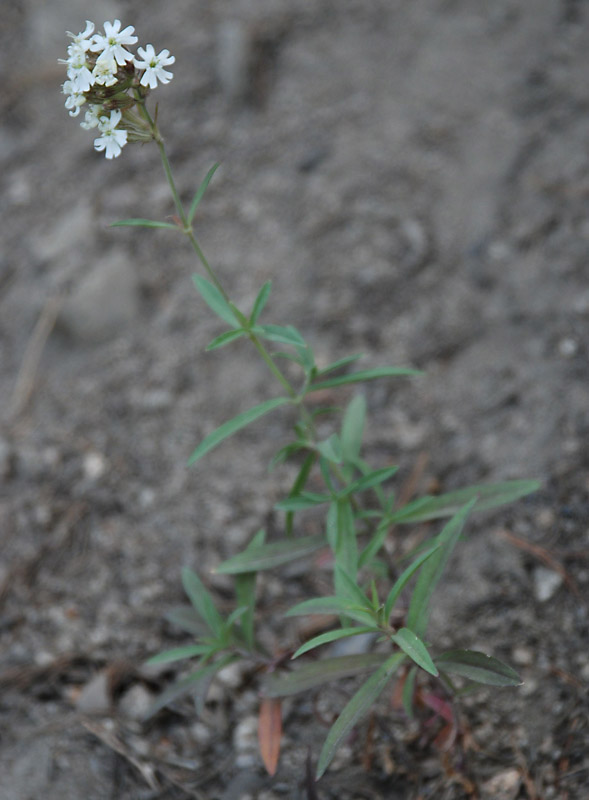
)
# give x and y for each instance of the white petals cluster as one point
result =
(101, 71)
(154, 66)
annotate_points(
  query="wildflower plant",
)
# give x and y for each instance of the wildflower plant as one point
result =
(370, 595)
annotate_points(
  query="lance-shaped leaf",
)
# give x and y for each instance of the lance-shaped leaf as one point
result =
(245, 589)
(356, 708)
(331, 449)
(297, 487)
(405, 577)
(200, 192)
(202, 601)
(374, 478)
(215, 300)
(349, 590)
(415, 649)
(234, 425)
(317, 673)
(445, 505)
(283, 334)
(346, 548)
(332, 605)
(226, 338)
(268, 556)
(339, 364)
(332, 636)
(478, 667)
(302, 501)
(432, 571)
(353, 428)
(260, 302)
(194, 683)
(143, 223)
(187, 619)
(365, 375)
(270, 732)
(178, 653)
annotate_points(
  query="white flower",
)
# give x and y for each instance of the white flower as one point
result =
(75, 99)
(154, 66)
(105, 69)
(82, 39)
(113, 40)
(92, 117)
(112, 140)
(77, 68)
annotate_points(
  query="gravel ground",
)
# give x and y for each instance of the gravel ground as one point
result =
(414, 178)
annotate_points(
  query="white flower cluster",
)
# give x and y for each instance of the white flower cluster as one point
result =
(101, 71)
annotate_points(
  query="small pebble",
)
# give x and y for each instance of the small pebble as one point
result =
(546, 583)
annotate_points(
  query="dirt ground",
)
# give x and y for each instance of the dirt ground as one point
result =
(414, 178)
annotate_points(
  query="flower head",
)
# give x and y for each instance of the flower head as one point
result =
(78, 68)
(92, 117)
(74, 99)
(107, 76)
(113, 40)
(154, 66)
(105, 70)
(83, 39)
(112, 140)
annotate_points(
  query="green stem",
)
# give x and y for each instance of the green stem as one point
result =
(187, 230)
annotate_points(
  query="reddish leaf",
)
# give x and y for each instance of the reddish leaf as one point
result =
(270, 731)
(441, 707)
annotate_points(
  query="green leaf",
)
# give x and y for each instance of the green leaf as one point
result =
(280, 333)
(332, 636)
(225, 338)
(346, 549)
(268, 556)
(417, 617)
(260, 302)
(365, 375)
(331, 523)
(302, 501)
(355, 709)
(245, 589)
(349, 590)
(412, 646)
(376, 542)
(374, 478)
(327, 670)
(215, 300)
(339, 364)
(353, 428)
(405, 577)
(332, 605)
(178, 653)
(187, 619)
(298, 485)
(202, 601)
(200, 192)
(331, 449)
(192, 683)
(144, 223)
(487, 496)
(285, 453)
(234, 425)
(478, 667)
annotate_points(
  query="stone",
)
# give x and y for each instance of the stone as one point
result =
(95, 697)
(546, 583)
(136, 702)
